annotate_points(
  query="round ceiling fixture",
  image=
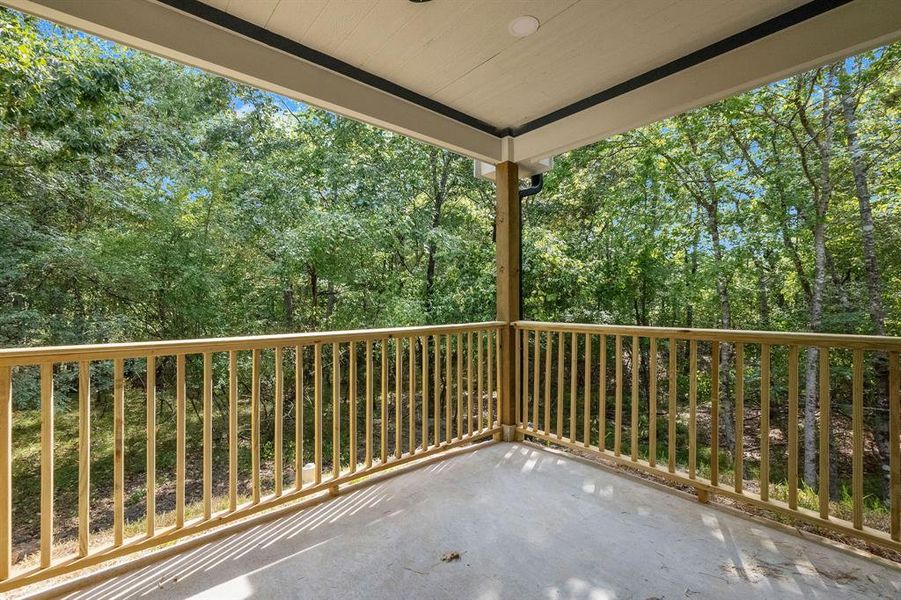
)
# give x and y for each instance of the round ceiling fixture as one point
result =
(523, 26)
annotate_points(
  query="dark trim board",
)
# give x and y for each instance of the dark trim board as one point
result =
(279, 42)
(228, 21)
(742, 38)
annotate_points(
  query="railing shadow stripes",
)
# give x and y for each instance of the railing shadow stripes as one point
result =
(346, 421)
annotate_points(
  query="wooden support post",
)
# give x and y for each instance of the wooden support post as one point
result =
(508, 268)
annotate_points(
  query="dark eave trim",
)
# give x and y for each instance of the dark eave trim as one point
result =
(264, 36)
(752, 34)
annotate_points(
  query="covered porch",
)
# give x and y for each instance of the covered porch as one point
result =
(416, 461)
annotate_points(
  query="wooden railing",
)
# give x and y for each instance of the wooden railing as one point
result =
(696, 407)
(390, 396)
(590, 386)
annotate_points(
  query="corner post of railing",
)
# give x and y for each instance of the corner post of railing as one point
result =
(508, 240)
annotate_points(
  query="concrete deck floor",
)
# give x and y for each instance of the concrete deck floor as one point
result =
(527, 523)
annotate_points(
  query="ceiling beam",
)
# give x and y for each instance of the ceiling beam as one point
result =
(843, 31)
(164, 31)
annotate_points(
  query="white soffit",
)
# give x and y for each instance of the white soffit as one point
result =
(448, 72)
(846, 30)
(159, 29)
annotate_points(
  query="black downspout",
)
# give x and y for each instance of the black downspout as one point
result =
(537, 182)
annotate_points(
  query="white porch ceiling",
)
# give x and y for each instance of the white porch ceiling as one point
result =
(460, 53)
(448, 71)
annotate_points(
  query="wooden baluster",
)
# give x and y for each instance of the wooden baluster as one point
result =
(278, 426)
(180, 441)
(352, 402)
(634, 418)
(336, 410)
(895, 445)
(207, 435)
(150, 468)
(518, 377)
(497, 380)
(715, 413)
(298, 417)
(525, 378)
(84, 454)
(492, 395)
(398, 402)
(459, 386)
(369, 400)
(692, 408)
(255, 425)
(383, 433)
(232, 430)
(47, 414)
(448, 378)
(825, 431)
(857, 441)
(469, 384)
(479, 382)
(536, 380)
(618, 398)
(411, 395)
(793, 427)
(6, 459)
(118, 452)
(602, 393)
(547, 384)
(317, 413)
(561, 347)
(573, 368)
(764, 422)
(436, 383)
(586, 419)
(652, 402)
(425, 393)
(671, 409)
(739, 417)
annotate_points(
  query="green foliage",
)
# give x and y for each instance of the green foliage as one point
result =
(145, 200)
(624, 231)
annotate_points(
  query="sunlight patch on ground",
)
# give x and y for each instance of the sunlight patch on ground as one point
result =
(713, 523)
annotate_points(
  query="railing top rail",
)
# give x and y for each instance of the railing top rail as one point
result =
(865, 342)
(58, 354)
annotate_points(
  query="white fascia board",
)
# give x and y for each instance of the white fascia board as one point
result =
(169, 33)
(843, 31)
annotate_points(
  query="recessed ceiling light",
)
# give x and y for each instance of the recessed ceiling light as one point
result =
(523, 26)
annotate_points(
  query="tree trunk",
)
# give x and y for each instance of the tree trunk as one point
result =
(726, 425)
(440, 173)
(867, 234)
(763, 301)
(811, 404)
(821, 185)
(871, 266)
(288, 304)
(430, 277)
